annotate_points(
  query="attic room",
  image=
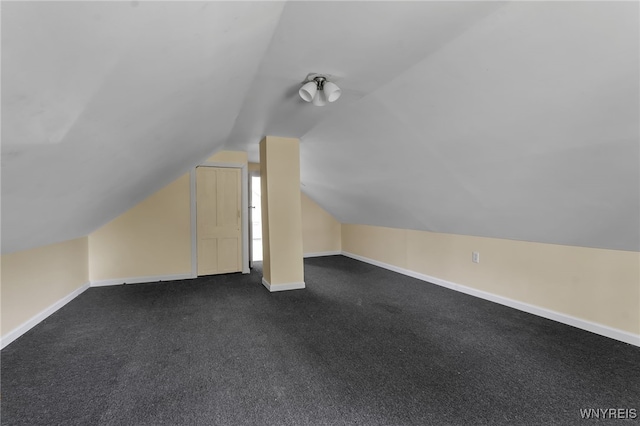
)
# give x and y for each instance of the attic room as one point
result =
(320, 213)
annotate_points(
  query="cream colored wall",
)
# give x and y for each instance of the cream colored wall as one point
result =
(35, 279)
(602, 286)
(320, 230)
(282, 244)
(254, 169)
(229, 157)
(151, 239)
(264, 199)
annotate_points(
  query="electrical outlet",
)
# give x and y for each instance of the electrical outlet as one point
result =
(475, 257)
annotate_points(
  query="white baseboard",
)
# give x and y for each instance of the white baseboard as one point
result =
(38, 318)
(603, 330)
(323, 253)
(140, 280)
(281, 287)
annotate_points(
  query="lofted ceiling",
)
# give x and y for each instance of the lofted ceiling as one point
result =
(511, 120)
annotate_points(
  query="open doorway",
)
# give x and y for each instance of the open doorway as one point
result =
(256, 220)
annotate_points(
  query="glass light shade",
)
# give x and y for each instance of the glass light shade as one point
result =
(331, 91)
(308, 91)
(319, 99)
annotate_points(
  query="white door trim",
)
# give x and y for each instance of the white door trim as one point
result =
(245, 213)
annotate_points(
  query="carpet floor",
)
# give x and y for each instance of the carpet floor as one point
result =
(359, 346)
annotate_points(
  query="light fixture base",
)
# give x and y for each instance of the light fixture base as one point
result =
(312, 76)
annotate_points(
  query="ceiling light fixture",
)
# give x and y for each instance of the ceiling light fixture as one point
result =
(318, 90)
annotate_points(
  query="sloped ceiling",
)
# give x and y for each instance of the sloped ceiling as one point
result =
(106, 102)
(509, 120)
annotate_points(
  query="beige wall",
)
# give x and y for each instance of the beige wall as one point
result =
(320, 230)
(596, 285)
(151, 239)
(254, 169)
(229, 157)
(266, 252)
(281, 210)
(33, 280)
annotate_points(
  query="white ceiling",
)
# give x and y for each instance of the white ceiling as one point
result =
(509, 120)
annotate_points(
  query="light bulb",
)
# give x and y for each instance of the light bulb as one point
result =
(319, 99)
(308, 91)
(332, 91)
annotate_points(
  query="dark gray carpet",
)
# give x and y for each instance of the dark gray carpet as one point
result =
(361, 345)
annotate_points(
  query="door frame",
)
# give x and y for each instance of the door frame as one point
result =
(244, 196)
(251, 209)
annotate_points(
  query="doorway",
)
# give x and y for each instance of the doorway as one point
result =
(256, 220)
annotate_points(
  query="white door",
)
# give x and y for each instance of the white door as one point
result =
(219, 220)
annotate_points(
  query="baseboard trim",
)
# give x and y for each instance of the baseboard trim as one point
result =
(603, 330)
(282, 287)
(38, 318)
(141, 280)
(323, 253)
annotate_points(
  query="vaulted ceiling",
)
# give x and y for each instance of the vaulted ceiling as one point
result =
(510, 120)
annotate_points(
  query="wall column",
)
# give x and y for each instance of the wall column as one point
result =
(283, 267)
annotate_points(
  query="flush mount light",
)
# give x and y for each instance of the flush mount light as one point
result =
(318, 90)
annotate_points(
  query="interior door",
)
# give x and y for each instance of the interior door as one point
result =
(219, 223)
